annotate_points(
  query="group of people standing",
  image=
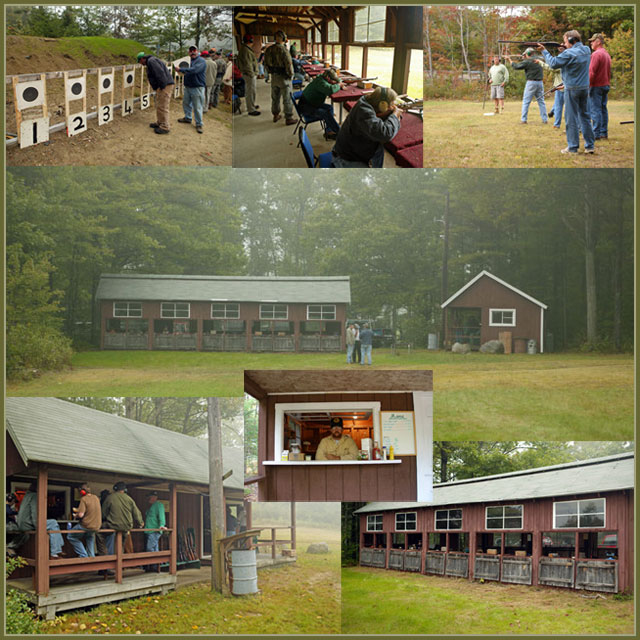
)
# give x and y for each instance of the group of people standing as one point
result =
(359, 343)
(581, 82)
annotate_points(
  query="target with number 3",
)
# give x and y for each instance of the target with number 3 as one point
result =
(106, 83)
(106, 114)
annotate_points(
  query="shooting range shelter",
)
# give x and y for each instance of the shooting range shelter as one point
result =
(568, 525)
(61, 445)
(488, 308)
(297, 405)
(223, 313)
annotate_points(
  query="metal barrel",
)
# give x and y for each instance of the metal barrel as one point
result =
(433, 341)
(244, 572)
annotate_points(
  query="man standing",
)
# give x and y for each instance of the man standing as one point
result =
(599, 82)
(312, 101)
(278, 62)
(534, 88)
(351, 342)
(154, 518)
(337, 446)
(90, 515)
(574, 62)
(498, 78)
(248, 65)
(558, 85)
(356, 346)
(161, 82)
(209, 78)
(366, 343)
(194, 88)
(221, 67)
(120, 512)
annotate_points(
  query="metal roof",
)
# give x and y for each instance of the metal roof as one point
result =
(611, 473)
(63, 433)
(138, 287)
(499, 281)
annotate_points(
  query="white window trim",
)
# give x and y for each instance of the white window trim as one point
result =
(502, 324)
(127, 302)
(504, 506)
(225, 316)
(604, 513)
(375, 515)
(405, 513)
(282, 408)
(435, 520)
(174, 317)
(262, 304)
(321, 311)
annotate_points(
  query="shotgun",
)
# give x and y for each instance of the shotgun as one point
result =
(628, 122)
(531, 43)
(559, 87)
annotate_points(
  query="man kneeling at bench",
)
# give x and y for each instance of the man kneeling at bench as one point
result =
(337, 446)
(312, 101)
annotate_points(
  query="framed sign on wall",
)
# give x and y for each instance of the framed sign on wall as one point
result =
(399, 432)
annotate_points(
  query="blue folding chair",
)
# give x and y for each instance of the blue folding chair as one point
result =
(323, 161)
(304, 119)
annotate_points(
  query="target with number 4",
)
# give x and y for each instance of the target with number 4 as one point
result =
(34, 131)
(76, 88)
(127, 107)
(128, 77)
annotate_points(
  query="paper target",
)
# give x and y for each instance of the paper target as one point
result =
(30, 94)
(106, 83)
(128, 78)
(144, 101)
(76, 88)
(127, 107)
(33, 132)
(76, 123)
(182, 63)
(106, 114)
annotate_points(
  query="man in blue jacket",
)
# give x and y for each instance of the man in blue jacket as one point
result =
(194, 88)
(574, 62)
(161, 82)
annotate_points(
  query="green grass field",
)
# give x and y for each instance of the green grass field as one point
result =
(461, 136)
(387, 602)
(562, 396)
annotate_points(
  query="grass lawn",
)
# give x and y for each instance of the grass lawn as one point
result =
(386, 602)
(302, 598)
(547, 396)
(461, 136)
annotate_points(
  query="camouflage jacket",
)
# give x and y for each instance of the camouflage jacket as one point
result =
(278, 60)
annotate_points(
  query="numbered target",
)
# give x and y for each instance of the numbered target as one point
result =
(182, 63)
(128, 78)
(127, 107)
(33, 132)
(106, 83)
(144, 101)
(76, 123)
(76, 88)
(106, 114)
(30, 94)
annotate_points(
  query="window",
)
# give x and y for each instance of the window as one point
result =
(225, 310)
(127, 309)
(337, 55)
(374, 523)
(355, 60)
(579, 514)
(449, 519)
(317, 35)
(370, 23)
(504, 517)
(333, 33)
(406, 521)
(274, 311)
(321, 312)
(502, 317)
(174, 310)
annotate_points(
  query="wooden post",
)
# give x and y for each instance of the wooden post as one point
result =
(118, 544)
(173, 518)
(273, 543)
(293, 525)
(247, 510)
(84, 98)
(216, 495)
(365, 60)
(42, 537)
(66, 100)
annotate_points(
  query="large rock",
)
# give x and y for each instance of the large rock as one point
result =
(318, 547)
(493, 346)
(459, 347)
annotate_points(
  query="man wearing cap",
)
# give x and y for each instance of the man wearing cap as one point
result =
(194, 88)
(574, 62)
(373, 121)
(599, 82)
(160, 81)
(248, 65)
(534, 88)
(119, 512)
(337, 446)
(154, 518)
(278, 62)
(90, 515)
(312, 101)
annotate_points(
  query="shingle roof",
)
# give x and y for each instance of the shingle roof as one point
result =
(611, 473)
(170, 288)
(63, 433)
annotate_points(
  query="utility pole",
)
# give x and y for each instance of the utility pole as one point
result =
(216, 497)
(445, 266)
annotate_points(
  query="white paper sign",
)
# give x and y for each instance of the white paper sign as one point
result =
(106, 83)
(30, 94)
(128, 78)
(33, 132)
(76, 88)
(106, 114)
(398, 431)
(127, 107)
(144, 101)
(76, 123)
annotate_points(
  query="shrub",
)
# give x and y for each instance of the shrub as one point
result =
(621, 50)
(19, 617)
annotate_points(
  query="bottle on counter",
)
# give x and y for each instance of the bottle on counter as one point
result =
(376, 454)
(391, 453)
(385, 454)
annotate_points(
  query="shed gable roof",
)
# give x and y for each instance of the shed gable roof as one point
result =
(334, 289)
(63, 433)
(499, 281)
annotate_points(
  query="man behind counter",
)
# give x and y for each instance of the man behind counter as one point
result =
(337, 446)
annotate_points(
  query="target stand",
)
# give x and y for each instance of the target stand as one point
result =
(145, 92)
(75, 89)
(128, 82)
(32, 115)
(106, 90)
(181, 63)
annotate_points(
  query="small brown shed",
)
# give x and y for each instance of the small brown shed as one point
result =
(488, 308)
(392, 407)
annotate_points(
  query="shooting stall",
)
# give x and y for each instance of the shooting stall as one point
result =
(393, 407)
(223, 313)
(567, 525)
(60, 445)
(488, 308)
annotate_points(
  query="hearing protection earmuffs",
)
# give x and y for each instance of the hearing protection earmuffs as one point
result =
(83, 492)
(383, 105)
(573, 40)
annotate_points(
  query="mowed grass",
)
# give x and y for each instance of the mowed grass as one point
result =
(386, 602)
(563, 396)
(300, 598)
(461, 136)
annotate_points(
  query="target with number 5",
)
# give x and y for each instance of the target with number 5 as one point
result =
(144, 101)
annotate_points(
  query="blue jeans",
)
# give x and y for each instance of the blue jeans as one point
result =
(193, 99)
(55, 539)
(75, 540)
(110, 539)
(350, 353)
(323, 112)
(376, 162)
(533, 89)
(577, 118)
(365, 350)
(599, 114)
(558, 105)
(151, 540)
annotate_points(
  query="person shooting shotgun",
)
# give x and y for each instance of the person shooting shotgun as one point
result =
(534, 87)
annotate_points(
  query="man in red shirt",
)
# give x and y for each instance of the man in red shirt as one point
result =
(599, 81)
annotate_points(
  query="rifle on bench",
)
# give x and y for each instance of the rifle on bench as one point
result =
(406, 106)
(351, 79)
